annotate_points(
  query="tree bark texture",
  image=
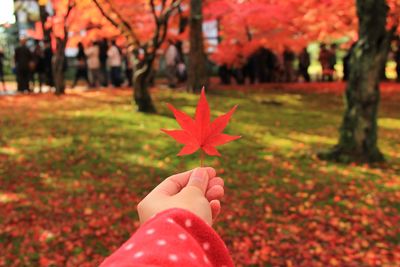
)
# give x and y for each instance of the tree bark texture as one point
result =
(58, 66)
(359, 130)
(59, 58)
(197, 71)
(141, 95)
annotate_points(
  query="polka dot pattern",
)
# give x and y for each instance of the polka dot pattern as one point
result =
(206, 246)
(173, 238)
(161, 242)
(129, 246)
(206, 260)
(188, 223)
(150, 231)
(192, 255)
(138, 254)
(182, 236)
(172, 257)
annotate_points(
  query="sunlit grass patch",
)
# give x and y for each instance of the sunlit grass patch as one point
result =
(389, 123)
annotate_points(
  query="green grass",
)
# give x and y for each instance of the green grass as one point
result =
(76, 166)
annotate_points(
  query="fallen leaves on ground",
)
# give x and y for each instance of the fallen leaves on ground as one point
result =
(73, 168)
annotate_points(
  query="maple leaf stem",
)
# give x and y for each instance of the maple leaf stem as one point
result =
(201, 157)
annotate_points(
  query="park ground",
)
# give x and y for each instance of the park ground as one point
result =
(73, 168)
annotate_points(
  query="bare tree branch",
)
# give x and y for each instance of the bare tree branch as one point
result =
(164, 20)
(175, 5)
(111, 20)
(163, 5)
(160, 19)
(153, 11)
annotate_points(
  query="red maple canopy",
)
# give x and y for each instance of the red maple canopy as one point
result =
(244, 25)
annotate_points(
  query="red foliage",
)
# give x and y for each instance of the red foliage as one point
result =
(250, 23)
(84, 18)
(276, 24)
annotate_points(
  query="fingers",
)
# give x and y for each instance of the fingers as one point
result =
(215, 208)
(211, 172)
(174, 184)
(215, 192)
(215, 181)
(199, 179)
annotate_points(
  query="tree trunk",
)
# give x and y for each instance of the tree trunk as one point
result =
(358, 132)
(197, 71)
(58, 66)
(141, 94)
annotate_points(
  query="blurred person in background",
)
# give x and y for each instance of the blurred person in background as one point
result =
(238, 64)
(324, 57)
(115, 63)
(181, 71)
(332, 61)
(304, 63)
(48, 66)
(81, 66)
(2, 57)
(23, 66)
(39, 59)
(129, 64)
(93, 64)
(103, 47)
(224, 74)
(288, 60)
(171, 59)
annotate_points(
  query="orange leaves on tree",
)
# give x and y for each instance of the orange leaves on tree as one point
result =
(200, 133)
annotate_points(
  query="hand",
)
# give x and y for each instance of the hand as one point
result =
(198, 191)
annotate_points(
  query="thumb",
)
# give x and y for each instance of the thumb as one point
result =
(199, 178)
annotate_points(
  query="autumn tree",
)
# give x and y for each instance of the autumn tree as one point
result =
(197, 71)
(296, 23)
(359, 130)
(245, 26)
(65, 26)
(43, 19)
(59, 23)
(145, 26)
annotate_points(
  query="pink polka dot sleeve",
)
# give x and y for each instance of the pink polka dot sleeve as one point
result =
(174, 237)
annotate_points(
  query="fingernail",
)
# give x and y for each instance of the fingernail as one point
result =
(199, 175)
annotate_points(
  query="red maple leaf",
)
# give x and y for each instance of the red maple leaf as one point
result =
(200, 133)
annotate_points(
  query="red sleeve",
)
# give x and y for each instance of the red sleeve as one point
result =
(175, 237)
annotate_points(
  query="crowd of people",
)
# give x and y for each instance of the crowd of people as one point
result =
(103, 63)
(33, 65)
(99, 63)
(264, 65)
